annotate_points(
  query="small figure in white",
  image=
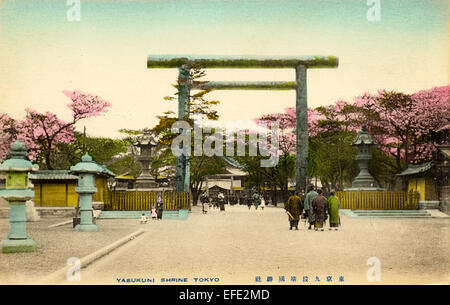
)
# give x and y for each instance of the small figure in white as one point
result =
(263, 203)
(204, 199)
(221, 198)
(144, 218)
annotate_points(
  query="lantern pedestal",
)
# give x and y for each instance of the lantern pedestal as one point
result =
(86, 228)
(17, 240)
(16, 167)
(86, 170)
(18, 245)
(86, 224)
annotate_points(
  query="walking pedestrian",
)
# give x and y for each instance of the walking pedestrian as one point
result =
(159, 208)
(308, 205)
(294, 208)
(334, 205)
(204, 199)
(233, 199)
(256, 200)
(319, 205)
(248, 199)
(221, 199)
(263, 203)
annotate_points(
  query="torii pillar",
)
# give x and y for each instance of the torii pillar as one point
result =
(300, 64)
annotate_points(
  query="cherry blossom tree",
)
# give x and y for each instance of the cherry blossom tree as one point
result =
(42, 131)
(280, 174)
(408, 127)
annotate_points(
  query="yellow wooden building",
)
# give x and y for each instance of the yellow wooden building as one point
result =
(431, 180)
(56, 188)
(420, 178)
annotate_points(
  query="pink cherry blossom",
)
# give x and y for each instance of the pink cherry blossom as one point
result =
(41, 132)
(407, 127)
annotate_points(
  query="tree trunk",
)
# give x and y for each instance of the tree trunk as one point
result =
(194, 192)
(47, 160)
(194, 198)
(274, 195)
(284, 192)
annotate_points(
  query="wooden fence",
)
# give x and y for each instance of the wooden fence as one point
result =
(145, 200)
(378, 200)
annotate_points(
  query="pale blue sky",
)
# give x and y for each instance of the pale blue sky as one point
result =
(42, 53)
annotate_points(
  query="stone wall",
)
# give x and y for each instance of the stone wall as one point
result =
(445, 199)
(45, 212)
(429, 204)
(98, 205)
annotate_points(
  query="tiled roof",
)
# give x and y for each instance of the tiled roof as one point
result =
(106, 171)
(416, 169)
(233, 162)
(445, 151)
(61, 174)
(52, 175)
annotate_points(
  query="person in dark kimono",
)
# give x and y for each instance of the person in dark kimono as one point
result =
(204, 199)
(248, 200)
(233, 199)
(256, 200)
(221, 200)
(294, 208)
(320, 207)
(159, 208)
(308, 205)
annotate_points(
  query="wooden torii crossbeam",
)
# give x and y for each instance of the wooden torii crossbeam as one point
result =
(299, 63)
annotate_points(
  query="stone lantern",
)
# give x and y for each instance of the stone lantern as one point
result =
(364, 142)
(146, 143)
(86, 171)
(16, 168)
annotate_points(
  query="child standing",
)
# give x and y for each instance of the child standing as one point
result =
(154, 215)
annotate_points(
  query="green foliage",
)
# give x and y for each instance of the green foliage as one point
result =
(332, 158)
(163, 163)
(199, 166)
(125, 165)
(101, 150)
(203, 166)
(272, 177)
(131, 132)
(384, 168)
(198, 105)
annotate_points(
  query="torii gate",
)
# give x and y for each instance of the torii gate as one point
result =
(300, 64)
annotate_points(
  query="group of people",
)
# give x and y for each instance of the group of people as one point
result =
(219, 202)
(315, 208)
(155, 213)
(256, 200)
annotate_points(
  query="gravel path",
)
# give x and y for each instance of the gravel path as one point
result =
(55, 246)
(238, 246)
